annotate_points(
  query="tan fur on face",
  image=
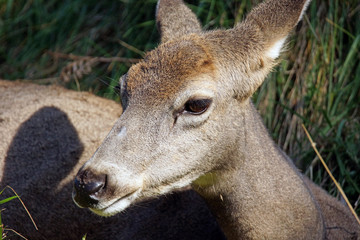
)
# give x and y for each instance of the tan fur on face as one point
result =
(172, 63)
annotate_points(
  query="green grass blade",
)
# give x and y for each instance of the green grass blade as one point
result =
(7, 199)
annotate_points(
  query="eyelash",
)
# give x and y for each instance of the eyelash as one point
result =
(193, 107)
(196, 106)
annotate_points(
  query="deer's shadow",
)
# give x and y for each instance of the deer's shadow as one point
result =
(44, 151)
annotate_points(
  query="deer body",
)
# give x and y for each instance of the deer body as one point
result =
(188, 119)
(249, 190)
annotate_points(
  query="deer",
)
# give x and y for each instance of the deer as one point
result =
(47, 133)
(189, 120)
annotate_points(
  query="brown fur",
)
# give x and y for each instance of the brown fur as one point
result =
(278, 23)
(47, 133)
(176, 11)
(225, 152)
(339, 221)
(146, 78)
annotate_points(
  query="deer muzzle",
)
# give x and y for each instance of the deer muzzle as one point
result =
(88, 187)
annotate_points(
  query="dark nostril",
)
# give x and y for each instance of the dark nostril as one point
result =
(89, 182)
(87, 188)
(93, 187)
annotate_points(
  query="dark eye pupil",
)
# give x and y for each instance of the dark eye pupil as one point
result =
(197, 106)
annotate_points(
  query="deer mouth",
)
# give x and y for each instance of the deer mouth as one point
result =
(115, 206)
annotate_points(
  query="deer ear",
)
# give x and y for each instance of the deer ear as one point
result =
(248, 51)
(274, 19)
(174, 19)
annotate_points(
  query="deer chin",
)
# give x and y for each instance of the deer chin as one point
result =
(115, 206)
(182, 183)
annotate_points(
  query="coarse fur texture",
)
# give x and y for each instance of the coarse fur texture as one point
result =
(189, 119)
(47, 133)
(176, 27)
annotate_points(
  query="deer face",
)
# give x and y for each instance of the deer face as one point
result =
(171, 122)
(182, 105)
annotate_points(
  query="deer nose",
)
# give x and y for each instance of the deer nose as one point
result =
(88, 187)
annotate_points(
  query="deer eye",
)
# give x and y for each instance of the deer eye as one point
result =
(197, 106)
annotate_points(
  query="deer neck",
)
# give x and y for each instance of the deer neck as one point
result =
(260, 194)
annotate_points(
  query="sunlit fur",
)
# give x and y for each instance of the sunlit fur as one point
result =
(256, 191)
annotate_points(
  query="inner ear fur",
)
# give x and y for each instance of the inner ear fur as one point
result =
(275, 19)
(248, 52)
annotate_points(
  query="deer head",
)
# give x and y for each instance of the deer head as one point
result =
(183, 105)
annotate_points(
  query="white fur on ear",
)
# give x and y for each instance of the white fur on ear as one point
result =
(304, 9)
(275, 49)
(157, 8)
